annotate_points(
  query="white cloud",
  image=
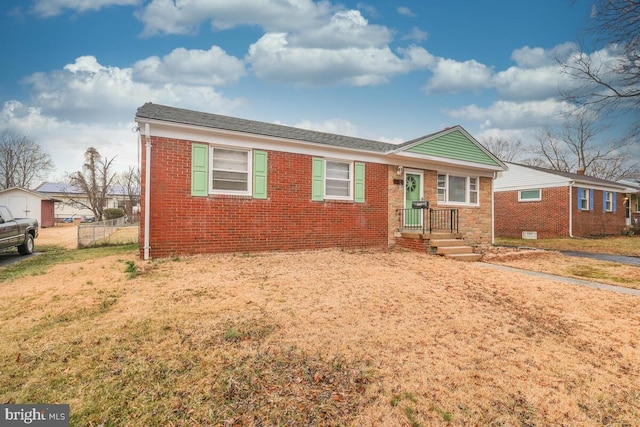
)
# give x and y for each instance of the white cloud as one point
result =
(194, 67)
(403, 10)
(89, 104)
(529, 83)
(334, 126)
(453, 76)
(527, 57)
(66, 141)
(49, 8)
(344, 29)
(514, 115)
(416, 34)
(184, 17)
(90, 92)
(273, 59)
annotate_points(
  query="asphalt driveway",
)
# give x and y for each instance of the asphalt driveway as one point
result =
(620, 259)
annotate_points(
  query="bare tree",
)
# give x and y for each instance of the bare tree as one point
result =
(610, 83)
(129, 180)
(22, 161)
(94, 182)
(578, 146)
(505, 150)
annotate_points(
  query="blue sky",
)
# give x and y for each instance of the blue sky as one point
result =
(75, 71)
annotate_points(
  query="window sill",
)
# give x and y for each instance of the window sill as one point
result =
(230, 196)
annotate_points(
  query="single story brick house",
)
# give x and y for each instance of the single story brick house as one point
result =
(213, 183)
(535, 202)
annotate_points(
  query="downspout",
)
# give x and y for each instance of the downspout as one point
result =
(147, 185)
(493, 225)
(571, 208)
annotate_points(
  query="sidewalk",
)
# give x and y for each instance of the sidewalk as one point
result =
(570, 280)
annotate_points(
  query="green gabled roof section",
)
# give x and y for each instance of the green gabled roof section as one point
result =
(452, 143)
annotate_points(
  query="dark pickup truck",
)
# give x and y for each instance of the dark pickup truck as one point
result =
(19, 232)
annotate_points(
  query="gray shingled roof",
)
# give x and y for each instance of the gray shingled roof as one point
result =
(575, 176)
(179, 115)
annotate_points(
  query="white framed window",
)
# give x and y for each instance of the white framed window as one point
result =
(458, 190)
(637, 202)
(530, 195)
(338, 180)
(608, 201)
(230, 171)
(584, 199)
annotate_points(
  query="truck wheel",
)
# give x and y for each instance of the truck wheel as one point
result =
(27, 247)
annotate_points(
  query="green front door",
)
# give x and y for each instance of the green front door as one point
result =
(412, 193)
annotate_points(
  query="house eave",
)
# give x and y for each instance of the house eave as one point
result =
(444, 162)
(161, 128)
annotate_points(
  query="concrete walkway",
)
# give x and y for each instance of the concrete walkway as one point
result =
(573, 281)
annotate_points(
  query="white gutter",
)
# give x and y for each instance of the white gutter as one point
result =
(571, 208)
(147, 185)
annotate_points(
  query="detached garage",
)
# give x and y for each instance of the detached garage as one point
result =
(29, 204)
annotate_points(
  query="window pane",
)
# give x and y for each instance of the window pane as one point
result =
(337, 170)
(230, 170)
(235, 181)
(457, 189)
(337, 188)
(230, 160)
(473, 183)
(338, 179)
(442, 181)
(529, 194)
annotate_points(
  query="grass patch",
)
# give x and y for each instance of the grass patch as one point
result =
(131, 269)
(164, 372)
(606, 274)
(53, 255)
(619, 245)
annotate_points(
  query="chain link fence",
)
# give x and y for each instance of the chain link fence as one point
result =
(110, 232)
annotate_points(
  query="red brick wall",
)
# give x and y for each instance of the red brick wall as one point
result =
(550, 216)
(287, 220)
(596, 222)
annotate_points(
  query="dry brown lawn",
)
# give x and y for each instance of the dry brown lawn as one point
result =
(361, 338)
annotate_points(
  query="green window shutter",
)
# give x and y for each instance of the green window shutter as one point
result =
(317, 179)
(259, 174)
(199, 170)
(359, 183)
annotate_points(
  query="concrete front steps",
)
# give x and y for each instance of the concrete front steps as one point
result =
(454, 248)
(450, 245)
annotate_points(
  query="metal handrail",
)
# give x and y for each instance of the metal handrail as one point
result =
(443, 220)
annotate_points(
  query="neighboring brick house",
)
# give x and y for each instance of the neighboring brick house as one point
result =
(632, 203)
(214, 183)
(534, 202)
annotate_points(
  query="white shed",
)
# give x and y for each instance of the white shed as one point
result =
(29, 204)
